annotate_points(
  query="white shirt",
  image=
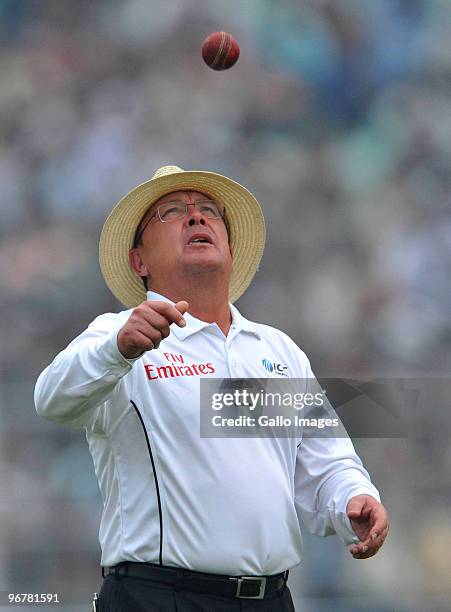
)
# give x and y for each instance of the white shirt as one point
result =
(221, 505)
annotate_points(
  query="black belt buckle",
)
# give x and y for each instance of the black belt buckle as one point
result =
(246, 580)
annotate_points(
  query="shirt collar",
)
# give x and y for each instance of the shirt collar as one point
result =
(193, 325)
(241, 323)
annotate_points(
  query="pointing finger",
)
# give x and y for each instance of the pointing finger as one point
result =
(170, 312)
(182, 306)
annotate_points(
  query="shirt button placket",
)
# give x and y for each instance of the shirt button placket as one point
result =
(231, 360)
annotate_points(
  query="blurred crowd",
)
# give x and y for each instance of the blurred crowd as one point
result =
(337, 117)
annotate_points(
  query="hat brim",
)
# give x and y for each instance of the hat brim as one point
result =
(244, 217)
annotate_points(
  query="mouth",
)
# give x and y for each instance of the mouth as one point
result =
(200, 239)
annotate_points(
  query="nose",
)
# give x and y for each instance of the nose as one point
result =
(194, 215)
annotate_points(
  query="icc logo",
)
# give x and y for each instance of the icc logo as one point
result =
(277, 368)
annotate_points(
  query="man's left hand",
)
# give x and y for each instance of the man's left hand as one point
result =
(369, 520)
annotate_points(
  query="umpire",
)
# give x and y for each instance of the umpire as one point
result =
(196, 524)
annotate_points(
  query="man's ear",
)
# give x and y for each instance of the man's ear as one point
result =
(136, 263)
(231, 253)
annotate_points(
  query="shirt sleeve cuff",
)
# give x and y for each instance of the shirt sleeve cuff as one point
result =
(112, 354)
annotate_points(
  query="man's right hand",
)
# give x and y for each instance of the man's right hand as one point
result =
(148, 325)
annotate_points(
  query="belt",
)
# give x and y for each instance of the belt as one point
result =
(243, 587)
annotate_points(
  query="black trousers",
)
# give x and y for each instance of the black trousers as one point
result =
(125, 594)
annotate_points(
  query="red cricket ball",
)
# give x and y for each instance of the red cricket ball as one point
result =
(220, 50)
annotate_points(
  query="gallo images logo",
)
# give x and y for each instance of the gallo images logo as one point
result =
(275, 368)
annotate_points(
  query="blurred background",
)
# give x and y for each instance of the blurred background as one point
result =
(337, 117)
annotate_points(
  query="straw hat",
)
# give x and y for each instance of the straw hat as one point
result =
(244, 217)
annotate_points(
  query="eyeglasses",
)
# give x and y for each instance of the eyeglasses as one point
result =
(171, 211)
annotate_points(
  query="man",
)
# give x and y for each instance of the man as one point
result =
(191, 523)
